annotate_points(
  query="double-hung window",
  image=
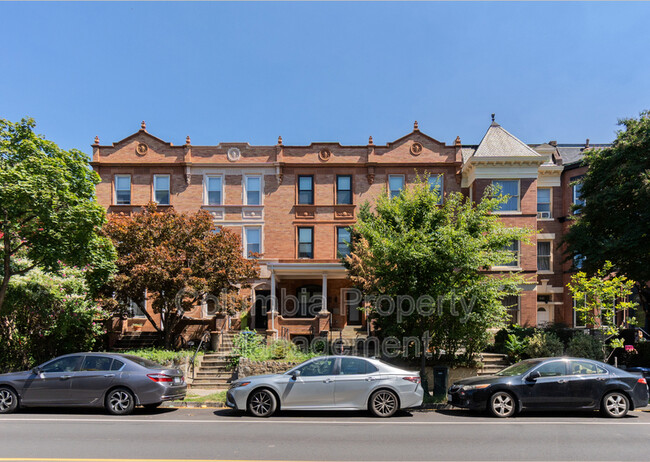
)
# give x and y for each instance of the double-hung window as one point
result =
(544, 203)
(513, 250)
(395, 185)
(161, 189)
(305, 189)
(577, 193)
(509, 188)
(253, 189)
(305, 242)
(436, 183)
(344, 189)
(544, 255)
(511, 304)
(123, 189)
(214, 190)
(253, 236)
(343, 239)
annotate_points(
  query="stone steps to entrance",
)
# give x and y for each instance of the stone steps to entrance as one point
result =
(493, 363)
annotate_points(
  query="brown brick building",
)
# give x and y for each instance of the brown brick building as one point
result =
(292, 205)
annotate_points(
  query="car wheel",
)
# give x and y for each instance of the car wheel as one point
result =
(262, 403)
(152, 405)
(8, 400)
(384, 403)
(502, 404)
(120, 402)
(615, 405)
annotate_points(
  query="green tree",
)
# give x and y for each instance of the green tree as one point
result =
(411, 246)
(613, 223)
(48, 211)
(600, 298)
(46, 315)
(178, 259)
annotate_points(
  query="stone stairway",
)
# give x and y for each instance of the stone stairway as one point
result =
(493, 363)
(136, 340)
(351, 335)
(212, 369)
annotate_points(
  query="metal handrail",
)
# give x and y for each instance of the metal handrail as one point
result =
(204, 338)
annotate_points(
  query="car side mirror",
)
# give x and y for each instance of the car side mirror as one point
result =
(295, 375)
(533, 376)
(36, 371)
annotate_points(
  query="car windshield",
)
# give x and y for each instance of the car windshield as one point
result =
(519, 368)
(143, 362)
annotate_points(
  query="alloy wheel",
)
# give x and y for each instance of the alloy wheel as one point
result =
(261, 403)
(616, 405)
(384, 404)
(7, 400)
(503, 405)
(120, 401)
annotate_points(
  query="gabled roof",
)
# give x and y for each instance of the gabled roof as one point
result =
(498, 142)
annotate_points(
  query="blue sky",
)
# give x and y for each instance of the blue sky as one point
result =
(323, 71)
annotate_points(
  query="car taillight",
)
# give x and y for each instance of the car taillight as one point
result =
(412, 379)
(160, 377)
(643, 381)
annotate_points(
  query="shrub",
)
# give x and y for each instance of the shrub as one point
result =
(162, 356)
(515, 347)
(522, 333)
(251, 345)
(544, 344)
(585, 346)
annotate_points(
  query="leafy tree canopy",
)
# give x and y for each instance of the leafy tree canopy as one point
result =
(411, 246)
(178, 259)
(48, 211)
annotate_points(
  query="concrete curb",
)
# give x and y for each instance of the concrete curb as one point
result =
(219, 404)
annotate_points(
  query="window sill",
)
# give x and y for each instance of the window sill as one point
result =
(518, 212)
(505, 268)
(546, 219)
(545, 272)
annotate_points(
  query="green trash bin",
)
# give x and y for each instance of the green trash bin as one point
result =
(440, 375)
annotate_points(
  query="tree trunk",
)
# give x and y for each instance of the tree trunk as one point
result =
(6, 269)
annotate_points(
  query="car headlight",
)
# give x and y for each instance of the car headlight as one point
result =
(239, 384)
(475, 387)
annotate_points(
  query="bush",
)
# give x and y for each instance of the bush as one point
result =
(251, 345)
(515, 347)
(585, 346)
(501, 337)
(544, 344)
(162, 356)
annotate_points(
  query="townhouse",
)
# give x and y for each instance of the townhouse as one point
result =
(293, 205)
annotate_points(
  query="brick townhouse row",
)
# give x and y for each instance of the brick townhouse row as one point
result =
(293, 205)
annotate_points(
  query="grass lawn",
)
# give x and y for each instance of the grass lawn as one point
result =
(219, 396)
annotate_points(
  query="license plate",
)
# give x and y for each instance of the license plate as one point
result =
(177, 380)
(449, 398)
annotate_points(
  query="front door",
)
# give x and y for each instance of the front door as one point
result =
(92, 380)
(313, 388)
(261, 308)
(52, 385)
(354, 314)
(550, 389)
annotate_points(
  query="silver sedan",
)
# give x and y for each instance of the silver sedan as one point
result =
(329, 383)
(114, 381)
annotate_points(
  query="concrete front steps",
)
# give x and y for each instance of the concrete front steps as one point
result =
(212, 369)
(493, 363)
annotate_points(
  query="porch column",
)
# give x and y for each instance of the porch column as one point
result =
(323, 308)
(273, 306)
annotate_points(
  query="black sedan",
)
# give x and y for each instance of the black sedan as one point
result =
(114, 381)
(553, 384)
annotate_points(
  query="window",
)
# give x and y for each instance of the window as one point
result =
(305, 242)
(123, 189)
(577, 192)
(161, 189)
(544, 203)
(513, 250)
(344, 189)
(253, 190)
(343, 240)
(395, 184)
(544, 255)
(214, 190)
(511, 303)
(355, 366)
(117, 365)
(579, 317)
(135, 310)
(585, 368)
(317, 367)
(552, 369)
(253, 241)
(578, 261)
(436, 183)
(97, 363)
(305, 189)
(66, 364)
(508, 188)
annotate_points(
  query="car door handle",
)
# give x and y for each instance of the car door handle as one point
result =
(600, 379)
(370, 379)
(328, 381)
(561, 381)
(109, 375)
(66, 377)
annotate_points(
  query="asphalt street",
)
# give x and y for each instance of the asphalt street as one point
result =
(220, 434)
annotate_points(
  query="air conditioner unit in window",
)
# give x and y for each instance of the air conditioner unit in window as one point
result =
(543, 214)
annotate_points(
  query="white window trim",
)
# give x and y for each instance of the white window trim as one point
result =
(511, 268)
(205, 188)
(115, 177)
(245, 239)
(245, 188)
(510, 212)
(403, 177)
(550, 212)
(550, 257)
(156, 175)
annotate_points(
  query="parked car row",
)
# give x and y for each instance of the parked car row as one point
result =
(120, 382)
